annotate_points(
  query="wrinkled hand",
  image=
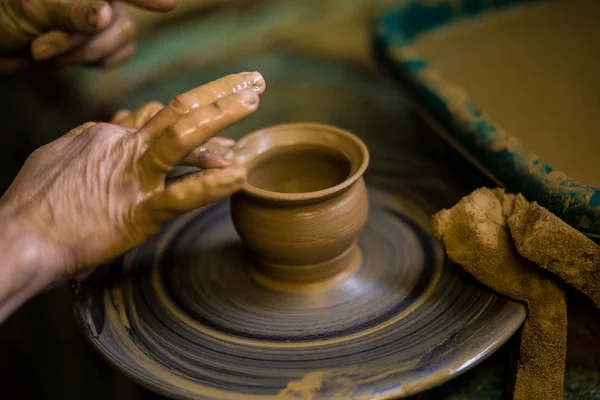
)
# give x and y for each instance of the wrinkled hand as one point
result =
(100, 189)
(68, 31)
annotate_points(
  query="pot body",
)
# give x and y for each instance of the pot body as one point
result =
(306, 233)
(304, 202)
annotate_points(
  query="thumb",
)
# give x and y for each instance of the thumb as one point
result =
(84, 16)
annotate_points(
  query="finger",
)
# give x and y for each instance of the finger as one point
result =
(190, 175)
(154, 5)
(79, 130)
(199, 97)
(193, 191)
(83, 16)
(120, 56)
(137, 118)
(145, 113)
(55, 43)
(120, 32)
(226, 142)
(209, 155)
(195, 128)
(121, 117)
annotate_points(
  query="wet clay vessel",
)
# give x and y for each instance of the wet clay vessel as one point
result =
(305, 201)
(311, 283)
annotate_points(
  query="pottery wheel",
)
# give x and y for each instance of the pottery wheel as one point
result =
(185, 316)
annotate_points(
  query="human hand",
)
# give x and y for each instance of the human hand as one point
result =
(68, 31)
(100, 189)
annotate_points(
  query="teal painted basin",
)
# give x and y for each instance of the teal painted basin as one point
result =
(463, 125)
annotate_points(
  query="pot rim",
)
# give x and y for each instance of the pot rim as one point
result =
(319, 194)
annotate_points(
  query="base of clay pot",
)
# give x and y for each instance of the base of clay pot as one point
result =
(301, 278)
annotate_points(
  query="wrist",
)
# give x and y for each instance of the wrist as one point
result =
(28, 264)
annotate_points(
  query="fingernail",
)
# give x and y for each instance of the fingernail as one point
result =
(255, 80)
(248, 98)
(43, 52)
(93, 15)
(229, 155)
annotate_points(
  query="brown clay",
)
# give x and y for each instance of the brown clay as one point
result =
(533, 69)
(304, 202)
(476, 235)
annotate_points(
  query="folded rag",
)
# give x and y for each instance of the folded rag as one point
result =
(501, 239)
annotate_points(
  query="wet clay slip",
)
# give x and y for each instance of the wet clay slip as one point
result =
(305, 200)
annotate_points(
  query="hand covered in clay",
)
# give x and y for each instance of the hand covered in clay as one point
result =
(216, 152)
(68, 31)
(100, 189)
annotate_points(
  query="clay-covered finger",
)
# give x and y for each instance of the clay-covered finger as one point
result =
(199, 97)
(195, 128)
(145, 113)
(193, 191)
(137, 118)
(209, 155)
(223, 141)
(118, 34)
(121, 117)
(54, 44)
(169, 180)
(120, 56)
(79, 130)
(85, 16)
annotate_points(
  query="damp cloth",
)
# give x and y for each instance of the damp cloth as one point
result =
(522, 251)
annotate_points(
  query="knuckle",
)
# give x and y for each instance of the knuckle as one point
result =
(180, 104)
(103, 126)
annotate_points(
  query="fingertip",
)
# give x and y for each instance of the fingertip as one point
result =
(50, 44)
(99, 15)
(255, 81)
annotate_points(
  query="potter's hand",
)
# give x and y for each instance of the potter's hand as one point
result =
(67, 31)
(100, 189)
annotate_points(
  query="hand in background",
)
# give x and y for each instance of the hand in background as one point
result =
(100, 189)
(68, 31)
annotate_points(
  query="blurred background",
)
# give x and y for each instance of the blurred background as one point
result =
(315, 56)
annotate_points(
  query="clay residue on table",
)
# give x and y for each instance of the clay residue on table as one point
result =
(534, 70)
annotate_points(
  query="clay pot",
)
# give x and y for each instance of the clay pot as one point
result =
(305, 201)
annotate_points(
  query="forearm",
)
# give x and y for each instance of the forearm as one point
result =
(22, 267)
